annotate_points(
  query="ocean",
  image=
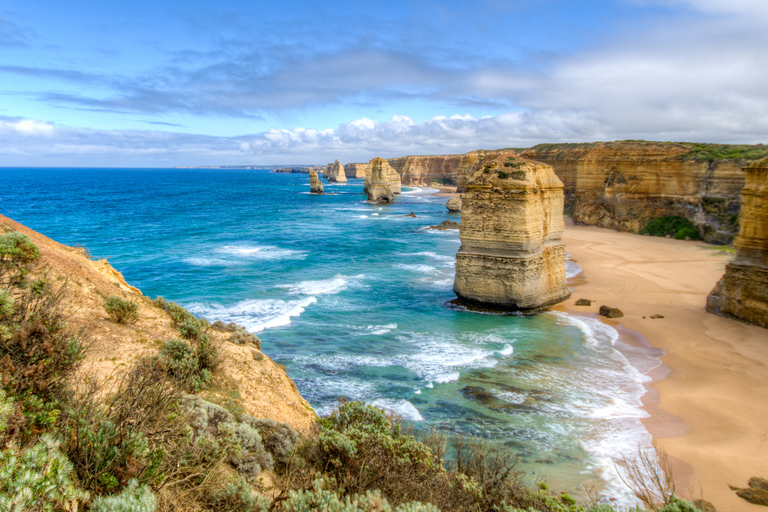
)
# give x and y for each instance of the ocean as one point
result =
(352, 298)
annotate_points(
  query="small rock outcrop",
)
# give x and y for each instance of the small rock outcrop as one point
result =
(315, 185)
(756, 493)
(377, 182)
(742, 293)
(512, 256)
(454, 204)
(335, 173)
(446, 224)
(583, 302)
(610, 312)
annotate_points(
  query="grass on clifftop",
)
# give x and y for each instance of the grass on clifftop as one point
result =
(703, 152)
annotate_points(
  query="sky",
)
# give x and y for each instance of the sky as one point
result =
(140, 83)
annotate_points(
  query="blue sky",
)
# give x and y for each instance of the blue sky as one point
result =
(159, 83)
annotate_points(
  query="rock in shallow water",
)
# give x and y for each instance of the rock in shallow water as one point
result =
(610, 312)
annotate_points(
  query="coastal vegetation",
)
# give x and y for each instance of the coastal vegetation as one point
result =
(151, 439)
(674, 226)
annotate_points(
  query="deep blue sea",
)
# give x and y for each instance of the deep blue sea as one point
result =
(351, 298)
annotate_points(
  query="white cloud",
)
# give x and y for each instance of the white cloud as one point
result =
(26, 127)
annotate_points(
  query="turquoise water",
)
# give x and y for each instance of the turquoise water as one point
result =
(351, 298)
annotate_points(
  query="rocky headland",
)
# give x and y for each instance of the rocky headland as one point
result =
(378, 181)
(625, 184)
(315, 185)
(335, 173)
(511, 255)
(742, 293)
(356, 170)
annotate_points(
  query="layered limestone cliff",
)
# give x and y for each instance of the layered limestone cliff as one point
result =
(742, 293)
(625, 184)
(378, 181)
(315, 185)
(355, 170)
(335, 173)
(444, 169)
(512, 256)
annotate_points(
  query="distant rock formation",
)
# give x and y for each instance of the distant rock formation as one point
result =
(356, 170)
(742, 293)
(454, 204)
(447, 169)
(335, 173)
(512, 256)
(625, 184)
(445, 225)
(377, 182)
(315, 185)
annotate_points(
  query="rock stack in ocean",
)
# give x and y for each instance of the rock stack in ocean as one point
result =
(378, 185)
(315, 185)
(742, 293)
(335, 173)
(512, 256)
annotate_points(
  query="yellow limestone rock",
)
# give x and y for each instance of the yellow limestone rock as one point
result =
(315, 185)
(742, 293)
(378, 185)
(355, 170)
(335, 173)
(512, 256)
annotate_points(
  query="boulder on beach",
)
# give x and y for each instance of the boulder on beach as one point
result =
(610, 312)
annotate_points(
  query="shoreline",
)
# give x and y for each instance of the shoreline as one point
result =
(707, 400)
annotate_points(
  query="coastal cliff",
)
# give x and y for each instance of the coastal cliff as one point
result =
(444, 169)
(742, 293)
(356, 170)
(625, 184)
(511, 255)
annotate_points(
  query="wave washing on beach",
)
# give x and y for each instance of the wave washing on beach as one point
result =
(351, 298)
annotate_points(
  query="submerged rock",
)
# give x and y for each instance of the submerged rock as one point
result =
(512, 256)
(742, 293)
(583, 302)
(446, 224)
(454, 204)
(315, 185)
(335, 173)
(377, 182)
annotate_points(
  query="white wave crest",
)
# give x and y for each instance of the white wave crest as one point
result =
(403, 408)
(322, 287)
(255, 314)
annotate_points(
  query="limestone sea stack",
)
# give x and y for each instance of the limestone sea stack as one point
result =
(315, 185)
(511, 255)
(335, 173)
(355, 170)
(377, 182)
(742, 293)
(454, 204)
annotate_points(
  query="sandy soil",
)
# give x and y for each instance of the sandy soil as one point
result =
(709, 410)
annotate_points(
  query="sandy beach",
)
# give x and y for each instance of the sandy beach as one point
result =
(709, 408)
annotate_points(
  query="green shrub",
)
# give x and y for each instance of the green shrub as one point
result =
(40, 479)
(238, 496)
(182, 363)
(189, 328)
(279, 439)
(122, 311)
(328, 501)
(673, 226)
(178, 314)
(134, 498)
(17, 249)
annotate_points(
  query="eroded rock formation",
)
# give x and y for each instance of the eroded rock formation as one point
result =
(624, 184)
(446, 169)
(742, 293)
(315, 185)
(335, 173)
(512, 256)
(454, 204)
(378, 185)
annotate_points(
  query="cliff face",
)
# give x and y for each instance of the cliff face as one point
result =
(512, 255)
(378, 181)
(742, 293)
(356, 170)
(448, 169)
(315, 185)
(335, 173)
(623, 185)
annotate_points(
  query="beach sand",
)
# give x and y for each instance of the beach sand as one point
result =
(709, 408)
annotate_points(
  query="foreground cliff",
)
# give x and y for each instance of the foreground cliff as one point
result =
(742, 293)
(512, 256)
(625, 184)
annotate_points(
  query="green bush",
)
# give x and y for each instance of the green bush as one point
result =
(190, 328)
(122, 311)
(673, 226)
(328, 501)
(40, 479)
(134, 498)
(17, 249)
(183, 364)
